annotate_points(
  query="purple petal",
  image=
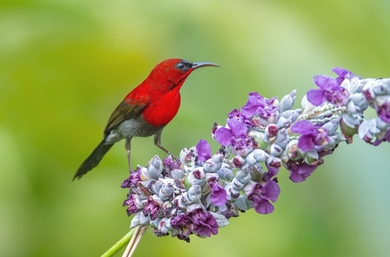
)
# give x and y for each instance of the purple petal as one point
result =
(316, 96)
(384, 112)
(341, 72)
(254, 98)
(132, 180)
(250, 108)
(234, 113)
(263, 207)
(299, 172)
(272, 190)
(180, 221)
(249, 111)
(306, 143)
(204, 223)
(218, 194)
(132, 206)
(384, 138)
(302, 127)
(171, 164)
(272, 171)
(203, 150)
(237, 128)
(325, 82)
(152, 208)
(224, 136)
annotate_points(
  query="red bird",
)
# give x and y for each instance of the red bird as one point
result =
(146, 110)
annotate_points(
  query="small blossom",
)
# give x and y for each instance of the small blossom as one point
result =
(384, 138)
(262, 195)
(204, 223)
(384, 111)
(237, 115)
(343, 74)
(234, 136)
(133, 179)
(271, 173)
(368, 129)
(218, 193)
(330, 91)
(183, 227)
(312, 135)
(203, 150)
(230, 211)
(299, 170)
(134, 203)
(152, 208)
(171, 164)
(228, 136)
(132, 208)
(266, 109)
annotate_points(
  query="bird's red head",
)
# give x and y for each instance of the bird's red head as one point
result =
(173, 72)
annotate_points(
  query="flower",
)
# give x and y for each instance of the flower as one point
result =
(152, 208)
(204, 223)
(299, 170)
(132, 180)
(198, 221)
(171, 164)
(330, 90)
(235, 135)
(203, 150)
(130, 202)
(343, 74)
(218, 193)
(261, 196)
(182, 226)
(312, 135)
(384, 138)
(228, 136)
(134, 203)
(384, 110)
(266, 109)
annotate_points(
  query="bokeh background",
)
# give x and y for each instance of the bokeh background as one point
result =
(66, 64)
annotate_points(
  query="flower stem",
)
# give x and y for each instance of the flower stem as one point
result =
(119, 245)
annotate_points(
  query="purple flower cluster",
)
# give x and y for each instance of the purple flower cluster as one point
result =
(331, 89)
(197, 194)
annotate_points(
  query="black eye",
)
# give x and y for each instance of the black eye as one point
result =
(181, 66)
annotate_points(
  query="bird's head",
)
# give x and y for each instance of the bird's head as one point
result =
(173, 72)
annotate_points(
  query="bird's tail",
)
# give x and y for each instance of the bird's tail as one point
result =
(93, 160)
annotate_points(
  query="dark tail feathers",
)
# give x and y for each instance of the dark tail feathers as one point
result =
(93, 160)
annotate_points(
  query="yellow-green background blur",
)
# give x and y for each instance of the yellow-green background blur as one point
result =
(66, 64)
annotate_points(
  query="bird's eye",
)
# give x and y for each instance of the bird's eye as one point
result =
(180, 66)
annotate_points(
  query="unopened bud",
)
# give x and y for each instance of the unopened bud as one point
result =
(287, 101)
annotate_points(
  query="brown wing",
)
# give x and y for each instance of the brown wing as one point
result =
(124, 111)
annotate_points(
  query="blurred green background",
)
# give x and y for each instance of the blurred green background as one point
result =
(66, 64)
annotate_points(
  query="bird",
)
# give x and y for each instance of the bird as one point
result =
(145, 111)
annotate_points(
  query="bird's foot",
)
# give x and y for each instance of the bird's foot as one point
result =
(136, 169)
(176, 159)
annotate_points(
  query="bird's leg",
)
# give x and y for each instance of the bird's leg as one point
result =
(157, 142)
(128, 147)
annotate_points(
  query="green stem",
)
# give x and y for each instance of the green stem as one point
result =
(119, 245)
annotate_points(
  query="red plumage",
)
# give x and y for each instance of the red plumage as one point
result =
(145, 110)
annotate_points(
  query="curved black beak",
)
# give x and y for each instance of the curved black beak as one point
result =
(196, 65)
